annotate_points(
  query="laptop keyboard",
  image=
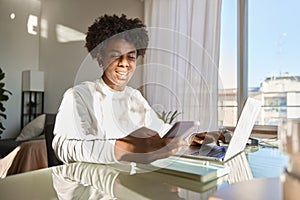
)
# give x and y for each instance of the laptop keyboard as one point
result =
(216, 152)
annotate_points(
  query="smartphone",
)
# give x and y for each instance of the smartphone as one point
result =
(183, 129)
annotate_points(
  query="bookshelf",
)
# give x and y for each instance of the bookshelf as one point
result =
(32, 106)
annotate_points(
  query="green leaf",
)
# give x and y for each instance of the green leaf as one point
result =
(3, 97)
(8, 92)
(1, 126)
(2, 109)
(2, 75)
(175, 114)
(168, 117)
(3, 115)
(163, 116)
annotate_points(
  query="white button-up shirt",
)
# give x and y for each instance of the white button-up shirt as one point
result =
(92, 116)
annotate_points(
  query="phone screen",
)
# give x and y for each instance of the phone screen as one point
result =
(183, 129)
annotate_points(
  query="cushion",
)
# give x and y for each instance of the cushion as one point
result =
(33, 128)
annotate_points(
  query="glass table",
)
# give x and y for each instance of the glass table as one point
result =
(94, 181)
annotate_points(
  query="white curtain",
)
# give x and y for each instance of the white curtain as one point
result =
(181, 65)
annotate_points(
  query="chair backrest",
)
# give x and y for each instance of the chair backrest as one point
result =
(48, 131)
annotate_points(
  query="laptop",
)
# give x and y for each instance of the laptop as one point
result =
(237, 144)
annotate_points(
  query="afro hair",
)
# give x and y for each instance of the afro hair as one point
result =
(108, 27)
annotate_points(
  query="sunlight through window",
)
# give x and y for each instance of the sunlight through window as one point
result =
(44, 28)
(32, 24)
(66, 34)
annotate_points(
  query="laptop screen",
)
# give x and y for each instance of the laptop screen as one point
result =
(244, 127)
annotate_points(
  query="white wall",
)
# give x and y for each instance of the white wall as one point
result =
(18, 51)
(59, 61)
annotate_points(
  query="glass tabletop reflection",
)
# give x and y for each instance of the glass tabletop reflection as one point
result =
(96, 181)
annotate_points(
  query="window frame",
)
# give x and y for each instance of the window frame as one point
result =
(242, 64)
(242, 54)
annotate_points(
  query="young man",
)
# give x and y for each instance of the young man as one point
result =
(106, 121)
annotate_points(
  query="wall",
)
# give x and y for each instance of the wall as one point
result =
(18, 51)
(60, 61)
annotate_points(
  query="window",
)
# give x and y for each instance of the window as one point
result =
(228, 68)
(273, 64)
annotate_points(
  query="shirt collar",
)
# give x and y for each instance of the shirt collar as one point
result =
(102, 87)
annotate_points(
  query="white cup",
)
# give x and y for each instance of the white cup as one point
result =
(289, 137)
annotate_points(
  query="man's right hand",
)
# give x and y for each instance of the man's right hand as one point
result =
(207, 137)
(145, 145)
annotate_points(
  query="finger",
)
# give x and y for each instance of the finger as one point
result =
(150, 132)
(171, 147)
(175, 142)
(198, 140)
(218, 136)
(222, 138)
(163, 143)
(171, 144)
(214, 134)
(143, 133)
(201, 135)
(209, 139)
(202, 138)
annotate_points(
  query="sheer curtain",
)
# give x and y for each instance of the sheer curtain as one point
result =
(181, 65)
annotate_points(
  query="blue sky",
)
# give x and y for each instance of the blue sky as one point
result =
(274, 40)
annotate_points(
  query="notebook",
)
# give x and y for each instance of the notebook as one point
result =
(191, 169)
(237, 143)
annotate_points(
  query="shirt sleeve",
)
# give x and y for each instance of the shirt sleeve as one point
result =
(152, 121)
(76, 137)
(84, 181)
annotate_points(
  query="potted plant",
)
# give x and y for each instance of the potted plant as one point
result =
(3, 97)
(168, 117)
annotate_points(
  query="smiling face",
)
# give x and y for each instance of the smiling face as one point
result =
(119, 61)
